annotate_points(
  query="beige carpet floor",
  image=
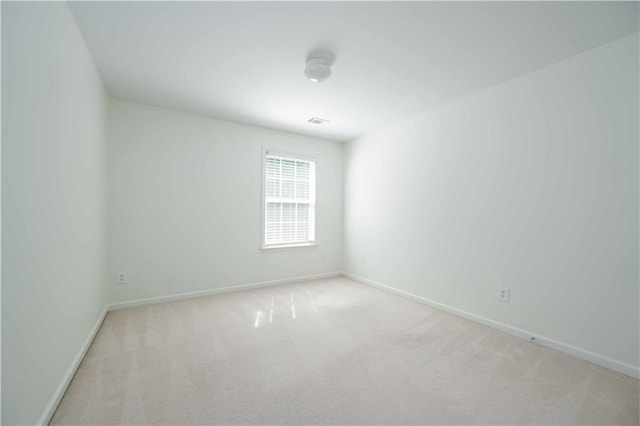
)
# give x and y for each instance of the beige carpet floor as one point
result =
(329, 352)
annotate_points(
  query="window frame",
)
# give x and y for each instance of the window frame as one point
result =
(263, 200)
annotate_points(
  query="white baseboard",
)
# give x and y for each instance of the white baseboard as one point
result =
(601, 360)
(213, 291)
(48, 412)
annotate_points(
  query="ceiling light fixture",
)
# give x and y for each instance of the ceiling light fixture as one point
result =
(317, 70)
(318, 66)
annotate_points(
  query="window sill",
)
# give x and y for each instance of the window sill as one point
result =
(288, 246)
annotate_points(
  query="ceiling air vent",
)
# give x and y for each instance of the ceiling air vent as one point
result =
(316, 120)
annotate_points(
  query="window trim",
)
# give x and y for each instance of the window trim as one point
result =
(263, 218)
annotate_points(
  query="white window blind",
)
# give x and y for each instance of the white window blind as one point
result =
(289, 201)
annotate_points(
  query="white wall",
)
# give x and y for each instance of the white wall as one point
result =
(53, 203)
(532, 185)
(186, 203)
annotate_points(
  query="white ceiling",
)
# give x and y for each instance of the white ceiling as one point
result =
(244, 61)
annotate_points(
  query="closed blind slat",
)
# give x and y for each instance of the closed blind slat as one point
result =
(289, 191)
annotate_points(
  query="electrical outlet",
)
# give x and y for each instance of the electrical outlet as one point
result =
(121, 278)
(503, 294)
(362, 261)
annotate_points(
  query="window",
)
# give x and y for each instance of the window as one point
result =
(289, 201)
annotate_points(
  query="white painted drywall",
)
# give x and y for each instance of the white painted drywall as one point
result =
(0, 234)
(243, 60)
(532, 185)
(54, 197)
(186, 203)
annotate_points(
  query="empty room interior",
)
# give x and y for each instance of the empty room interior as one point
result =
(320, 213)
